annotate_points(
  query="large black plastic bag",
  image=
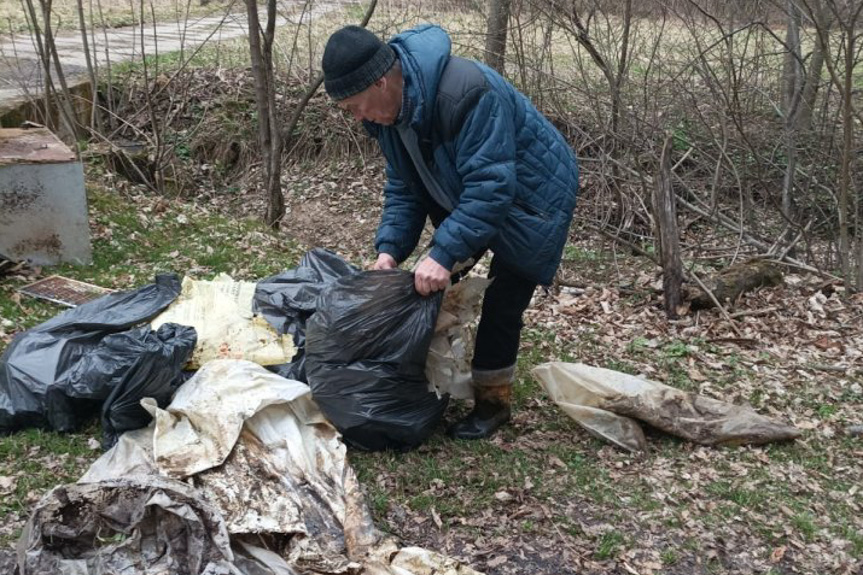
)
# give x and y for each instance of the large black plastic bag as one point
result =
(366, 350)
(40, 359)
(288, 299)
(126, 367)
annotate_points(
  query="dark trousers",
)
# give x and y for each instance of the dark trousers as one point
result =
(500, 324)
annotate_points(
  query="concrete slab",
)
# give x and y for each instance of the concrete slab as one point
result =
(43, 206)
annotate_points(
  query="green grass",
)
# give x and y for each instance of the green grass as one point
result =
(135, 238)
(182, 239)
(229, 54)
(856, 538)
(433, 479)
(804, 523)
(609, 545)
(581, 255)
(40, 460)
(622, 366)
(669, 557)
(742, 496)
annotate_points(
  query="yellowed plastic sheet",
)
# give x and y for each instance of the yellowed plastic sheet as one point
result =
(607, 403)
(221, 313)
(448, 362)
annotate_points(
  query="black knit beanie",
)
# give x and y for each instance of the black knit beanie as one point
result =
(354, 59)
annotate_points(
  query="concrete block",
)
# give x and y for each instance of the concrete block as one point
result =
(43, 204)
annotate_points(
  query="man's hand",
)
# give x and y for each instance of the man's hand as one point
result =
(385, 262)
(430, 277)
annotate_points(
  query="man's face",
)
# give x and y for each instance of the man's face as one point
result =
(379, 103)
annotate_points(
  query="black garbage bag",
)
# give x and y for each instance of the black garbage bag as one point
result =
(366, 349)
(288, 299)
(39, 360)
(127, 367)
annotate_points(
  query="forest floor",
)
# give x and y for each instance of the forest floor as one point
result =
(542, 496)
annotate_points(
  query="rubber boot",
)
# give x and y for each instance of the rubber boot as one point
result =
(492, 396)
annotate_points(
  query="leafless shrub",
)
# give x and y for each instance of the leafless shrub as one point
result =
(759, 138)
(758, 97)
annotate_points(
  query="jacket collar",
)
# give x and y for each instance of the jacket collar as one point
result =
(423, 52)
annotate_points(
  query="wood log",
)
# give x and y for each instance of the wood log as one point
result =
(736, 280)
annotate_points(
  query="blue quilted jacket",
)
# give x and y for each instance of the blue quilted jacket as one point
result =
(510, 178)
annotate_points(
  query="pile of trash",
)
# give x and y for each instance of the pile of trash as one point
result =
(92, 359)
(226, 409)
(241, 474)
(365, 356)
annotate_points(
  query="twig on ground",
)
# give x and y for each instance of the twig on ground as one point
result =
(743, 341)
(821, 367)
(715, 301)
(754, 312)
(796, 239)
(576, 287)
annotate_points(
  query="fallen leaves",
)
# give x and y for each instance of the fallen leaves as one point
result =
(503, 496)
(7, 484)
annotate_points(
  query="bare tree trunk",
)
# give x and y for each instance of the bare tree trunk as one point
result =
(45, 60)
(95, 121)
(269, 132)
(792, 91)
(665, 214)
(821, 19)
(859, 228)
(276, 200)
(845, 182)
(495, 39)
(48, 54)
(109, 99)
(158, 148)
(621, 70)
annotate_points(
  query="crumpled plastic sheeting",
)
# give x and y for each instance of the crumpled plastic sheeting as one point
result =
(189, 439)
(221, 313)
(125, 526)
(448, 362)
(607, 403)
(419, 561)
(286, 479)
